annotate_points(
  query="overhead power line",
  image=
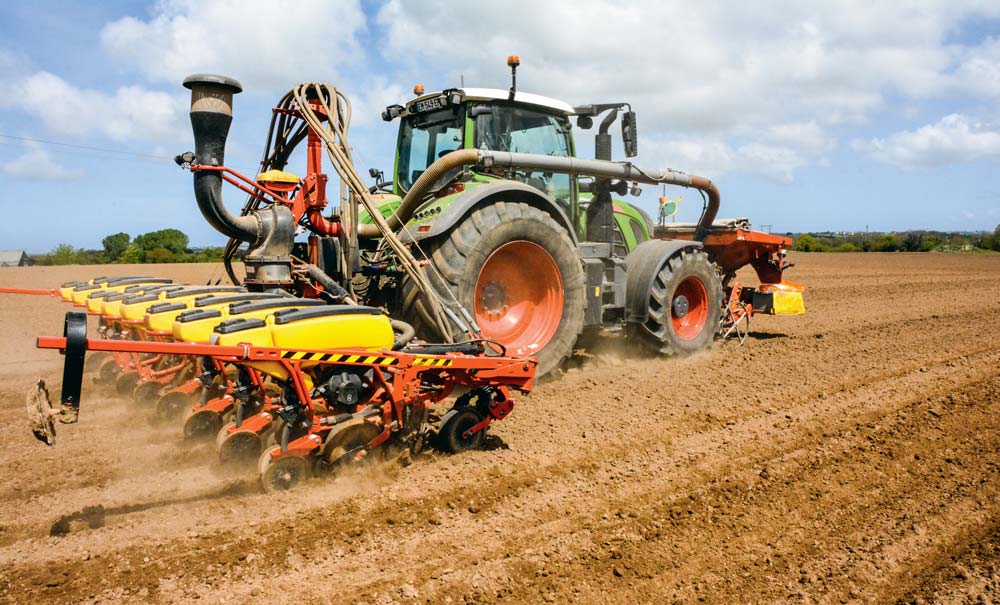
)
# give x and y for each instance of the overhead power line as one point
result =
(146, 156)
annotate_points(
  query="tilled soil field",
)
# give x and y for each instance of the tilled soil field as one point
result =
(851, 455)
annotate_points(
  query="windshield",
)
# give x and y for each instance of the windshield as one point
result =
(425, 137)
(518, 129)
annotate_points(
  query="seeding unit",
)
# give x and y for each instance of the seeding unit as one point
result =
(317, 407)
(492, 239)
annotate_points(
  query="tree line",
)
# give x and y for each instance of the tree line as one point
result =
(162, 246)
(906, 241)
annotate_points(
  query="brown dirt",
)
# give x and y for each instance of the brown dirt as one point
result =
(851, 455)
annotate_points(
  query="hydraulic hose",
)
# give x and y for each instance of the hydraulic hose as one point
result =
(546, 163)
(328, 284)
(334, 135)
(405, 331)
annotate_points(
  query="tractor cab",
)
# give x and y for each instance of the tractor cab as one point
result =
(490, 119)
(435, 124)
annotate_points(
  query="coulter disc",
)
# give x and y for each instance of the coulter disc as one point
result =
(146, 393)
(126, 383)
(240, 447)
(202, 424)
(171, 406)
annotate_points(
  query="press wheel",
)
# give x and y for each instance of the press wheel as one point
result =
(282, 473)
(171, 406)
(202, 424)
(451, 435)
(146, 393)
(125, 384)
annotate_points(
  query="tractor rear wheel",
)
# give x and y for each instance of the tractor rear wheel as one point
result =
(516, 270)
(685, 306)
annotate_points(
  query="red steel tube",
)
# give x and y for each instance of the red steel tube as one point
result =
(29, 291)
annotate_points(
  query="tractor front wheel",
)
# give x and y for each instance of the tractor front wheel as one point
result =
(516, 271)
(685, 306)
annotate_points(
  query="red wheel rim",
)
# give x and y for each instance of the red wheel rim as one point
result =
(689, 308)
(518, 299)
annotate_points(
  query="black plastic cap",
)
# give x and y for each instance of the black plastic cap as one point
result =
(232, 83)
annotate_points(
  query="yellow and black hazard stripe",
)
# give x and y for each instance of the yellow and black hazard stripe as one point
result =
(336, 358)
(431, 361)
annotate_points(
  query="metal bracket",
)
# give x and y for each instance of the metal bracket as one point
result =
(75, 331)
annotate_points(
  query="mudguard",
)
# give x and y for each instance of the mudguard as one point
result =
(463, 204)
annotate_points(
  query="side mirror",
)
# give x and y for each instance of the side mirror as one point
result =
(630, 134)
(585, 122)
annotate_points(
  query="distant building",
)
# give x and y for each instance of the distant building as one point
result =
(14, 258)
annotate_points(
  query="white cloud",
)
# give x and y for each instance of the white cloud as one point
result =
(8, 61)
(696, 67)
(776, 154)
(979, 71)
(954, 138)
(35, 164)
(132, 112)
(380, 93)
(731, 86)
(266, 44)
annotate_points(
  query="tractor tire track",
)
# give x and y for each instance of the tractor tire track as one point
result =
(785, 470)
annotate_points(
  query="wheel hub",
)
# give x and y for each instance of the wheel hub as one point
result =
(518, 297)
(494, 300)
(681, 306)
(689, 308)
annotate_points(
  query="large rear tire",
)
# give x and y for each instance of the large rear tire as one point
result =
(685, 306)
(516, 270)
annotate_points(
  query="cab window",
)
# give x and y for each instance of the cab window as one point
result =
(520, 130)
(425, 137)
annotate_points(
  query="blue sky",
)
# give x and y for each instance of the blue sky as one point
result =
(834, 116)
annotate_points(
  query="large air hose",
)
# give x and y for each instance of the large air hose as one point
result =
(544, 163)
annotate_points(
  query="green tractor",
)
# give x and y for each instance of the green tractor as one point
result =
(539, 257)
(506, 243)
(490, 229)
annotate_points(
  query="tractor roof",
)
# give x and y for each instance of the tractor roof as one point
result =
(496, 94)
